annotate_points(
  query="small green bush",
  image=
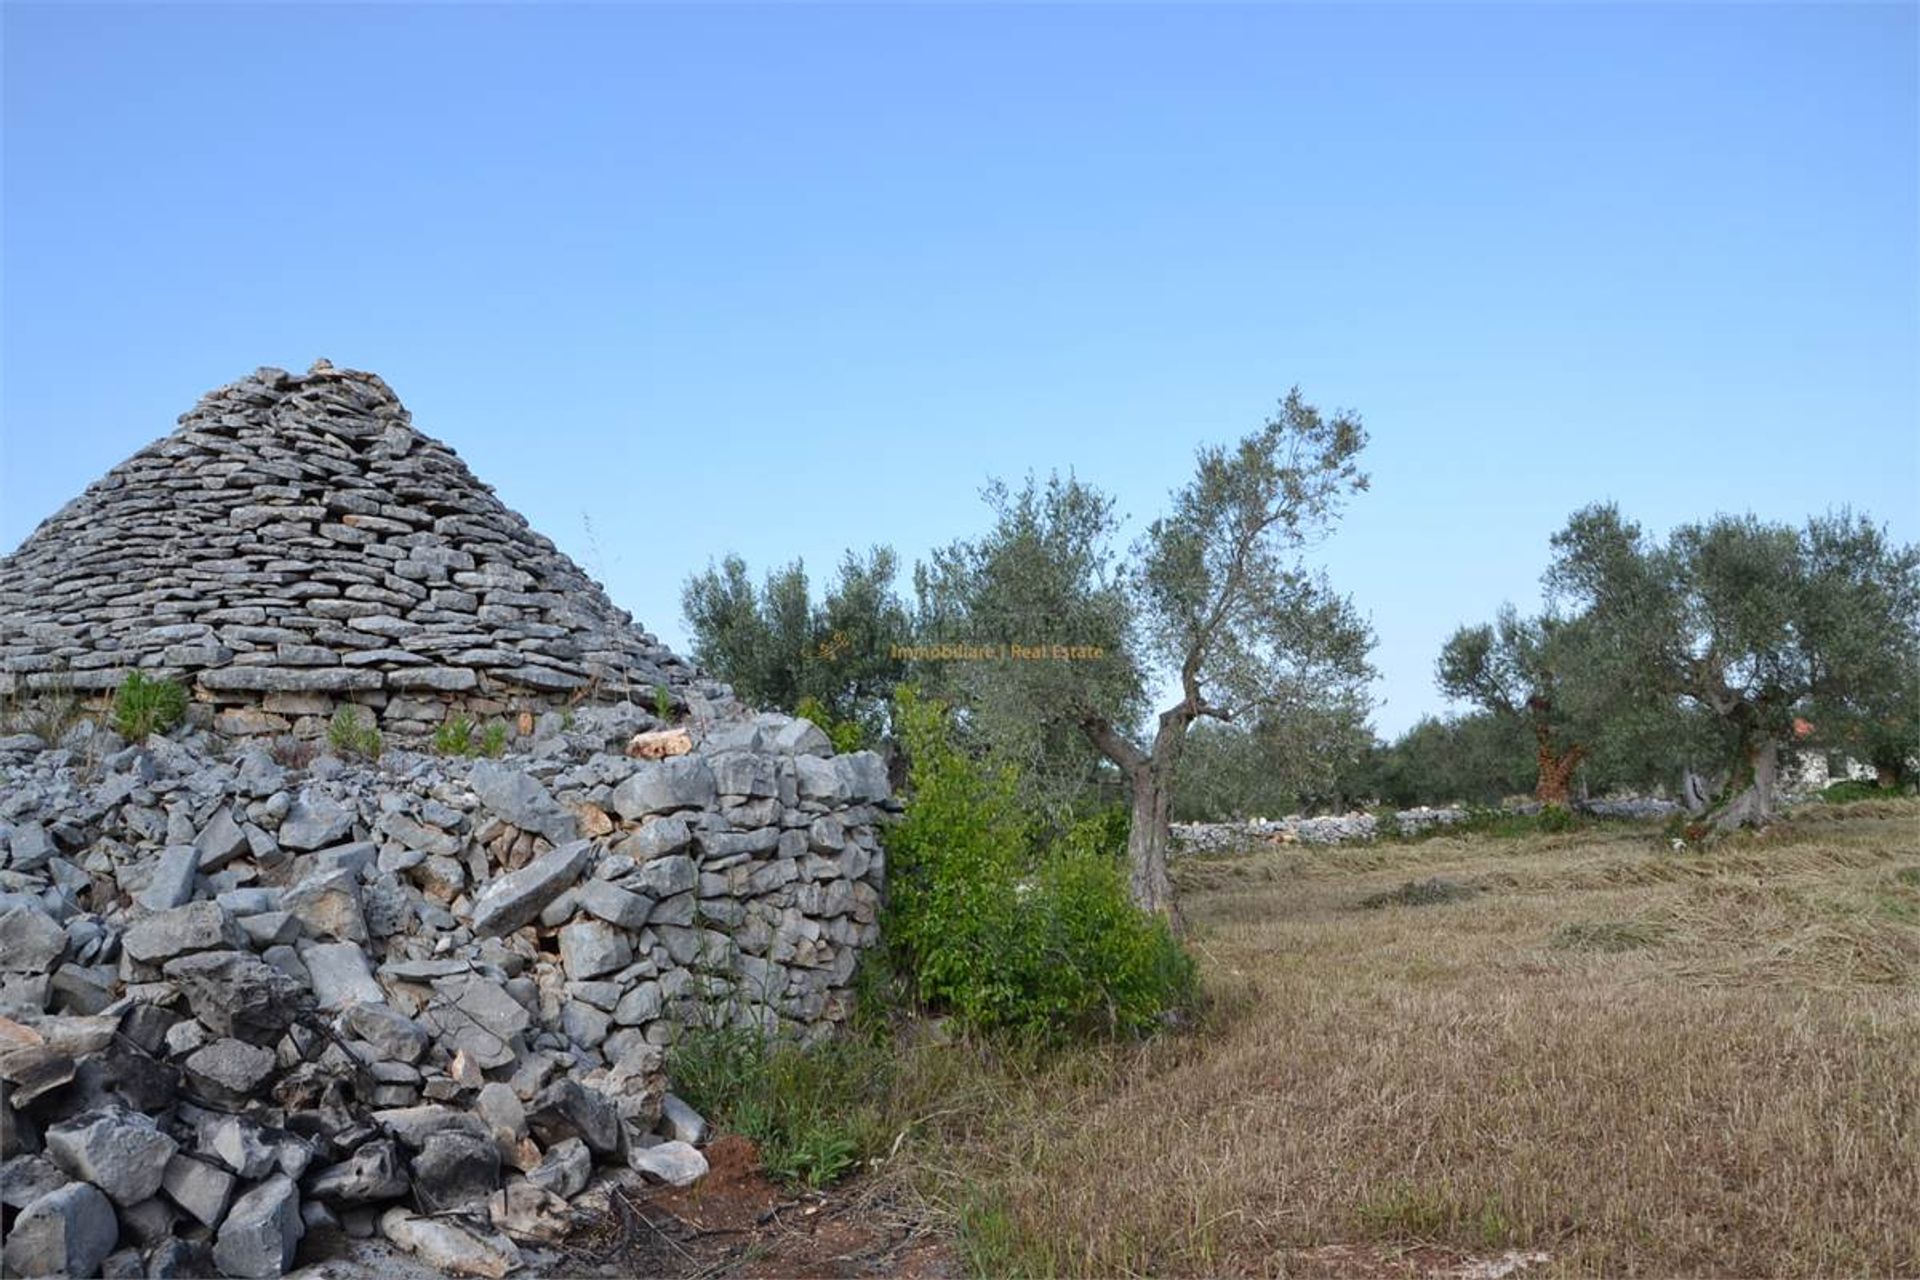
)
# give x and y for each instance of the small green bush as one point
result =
(662, 703)
(846, 735)
(811, 1108)
(454, 737)
(1047, 943)
(349, 735)
(458, 735)
(1852, 789)
(143, 705)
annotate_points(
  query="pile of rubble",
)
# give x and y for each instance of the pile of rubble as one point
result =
(427, 999)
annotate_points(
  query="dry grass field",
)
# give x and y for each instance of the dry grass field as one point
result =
(1630, 1059)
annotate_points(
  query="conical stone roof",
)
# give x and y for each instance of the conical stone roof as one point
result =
(296, 543)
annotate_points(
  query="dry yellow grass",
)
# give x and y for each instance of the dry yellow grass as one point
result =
(1635, 1060)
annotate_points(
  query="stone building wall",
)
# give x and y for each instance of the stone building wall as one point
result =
(296, 544)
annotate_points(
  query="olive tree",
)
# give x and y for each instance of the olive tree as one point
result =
(1509, 669)
(1216, 599)
(1750, 623)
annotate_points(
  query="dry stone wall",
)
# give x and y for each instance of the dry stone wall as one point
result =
(296, 543)
(427, 998)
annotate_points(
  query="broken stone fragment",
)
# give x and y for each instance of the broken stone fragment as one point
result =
(680, 1122)
(235, 994)
(30, 939)
(121, 1152)
(524, 1211)
(564, 1170)
(315, 821)
(519, 798)
(455, 1170)
(659, 744)
(171, 882)
(593, 947)
(675, 1163)
(197, 926)
(660, 786)
(228, 1072)
(261, 1231)
(568, 1109)
(394, 1034)
(68, 1232)
(202, 1189)
(512, 900)
(339, 975)
(373, 1172)
(25, 1178)
(473, 1014)
(452, 1248)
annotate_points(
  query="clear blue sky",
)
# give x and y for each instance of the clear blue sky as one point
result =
(786, 280)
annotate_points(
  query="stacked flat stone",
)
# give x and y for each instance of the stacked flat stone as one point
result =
(296, 544)
(421, 998)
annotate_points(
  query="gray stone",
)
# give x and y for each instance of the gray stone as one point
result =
(642, 1004)
(798, 737)
(314, 822)
(327, 904)
(29, 847)
(220, 841)
(373, 1172)
(564, 1169)
(665, 877)
(675, 1163)
(864, 774)
(819, 780)
(171, 883)
(340, 976)
(121, 1152)
(570, 1109)
(197, 926)
(395, 1035)
(25, 1178)
(455, 1170)
(659, 786)
(659, 837)
(475, 1015)
(30, 939)
(227, 1072)
(202, 1189)
(450, 1247)
(614, 904)
(507, 902)
(593, 947)
(236, 995)
(681, 1122)
(65, 1232)
(261, 1231)
(521, 800)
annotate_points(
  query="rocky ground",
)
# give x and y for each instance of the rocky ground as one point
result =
(423, 1002)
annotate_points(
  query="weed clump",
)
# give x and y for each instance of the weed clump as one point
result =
(1609, 936)
(143, 705)
(1420, 893)
(349, 736)
(812, 1109)
(458, 735)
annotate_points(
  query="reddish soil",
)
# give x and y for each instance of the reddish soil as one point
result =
(735, 1222)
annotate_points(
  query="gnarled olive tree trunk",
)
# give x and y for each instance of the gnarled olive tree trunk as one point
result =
(1555, 780)
(1149, 782)
(1747, 799)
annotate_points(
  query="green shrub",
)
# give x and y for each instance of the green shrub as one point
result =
(350, 736)
(846, 735)
(1846, 792)
(662, 703)
(458, 735)
(1044, 943)
(454, 737)
(143, 705)
(813, 1109)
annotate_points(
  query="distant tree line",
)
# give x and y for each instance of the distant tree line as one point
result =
(1676, 663)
